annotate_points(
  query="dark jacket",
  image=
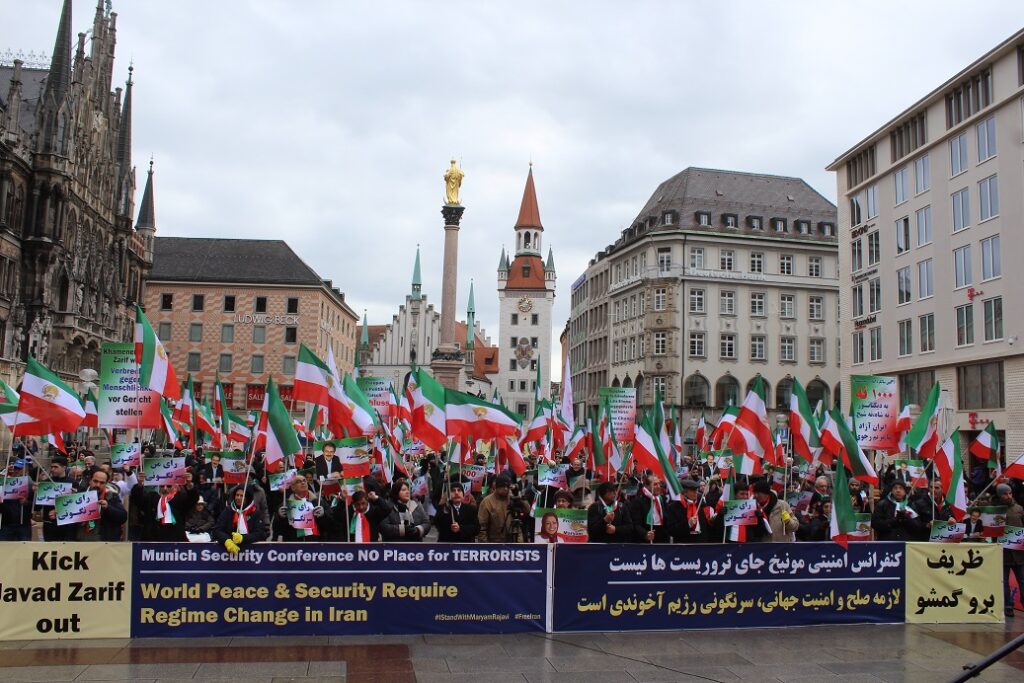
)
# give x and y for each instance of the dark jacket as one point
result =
(51, 531)
(322, 469)
(622, 522)
(16, 513)
(405, 522)
(678, 523)
(326, 526)
(465, 517)
(639, 508)
(146, 501)
(107, 528)
(226, 526)
(890, 526)
(375, 514)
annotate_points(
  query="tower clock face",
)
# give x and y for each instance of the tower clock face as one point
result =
(525, 305)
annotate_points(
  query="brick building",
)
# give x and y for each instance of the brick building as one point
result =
(241, 308)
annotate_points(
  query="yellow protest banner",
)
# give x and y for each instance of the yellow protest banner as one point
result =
(65, 590)
(954, 583)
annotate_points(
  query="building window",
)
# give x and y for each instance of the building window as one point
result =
(925, 281)
(703, 218)
(903, 235)
(659, 385)
(962, 266)
(757, 347)
(988, 190)
(858, 348)
(697, 344)
(787, 305)
(814, 266)
(534, 319)
(755, 222)
(991, 265)
(875, 345)
(729, 220)
(224, 365)
(197, 302)
(164, 331)
(193, 362)
(292, 305)
(965, 324)
(787, 349)
(256, 364)
(227, 334)
(927, 324)
(533, 342)
(261, 304)
(659, 299)
(922, 174)
(229, 303)
(756, 262)
(906, 337)
(816, 307)
(696, 301)
(697, 257)
(915, 386)
(166, 302)
(786, 264)
(727, 303)
(816, 350)
(872, 195)
(291, 335)
(660, 343)
(874, 248)
(779, 224)
(512, 387)
(727, 346)
(664, 260)
(900, 181)
(903, 293)
(259, 334)
(856, 255)
(980, 386)
(757, 303)
(969, 98)
(195, 332)
(958, 160)
(875, 295)
(726, 259)
(858, 301)
(288, 365)
(993, 318)
(856, 213)
(924, 225)
(987, 139)
(512, 361)
(526, 271)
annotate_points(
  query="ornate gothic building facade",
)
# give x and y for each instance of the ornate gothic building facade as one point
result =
(71, 263)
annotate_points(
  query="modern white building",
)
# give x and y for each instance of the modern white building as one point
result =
(722, 276)
(927, 266)
(526, 296)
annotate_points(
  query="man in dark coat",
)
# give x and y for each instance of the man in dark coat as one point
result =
(328, 462)
(608, 520)
(456, 521)
(112, 514)
(163, 509)
(894, 519)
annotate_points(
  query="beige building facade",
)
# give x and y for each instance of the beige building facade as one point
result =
(722, 277)
(929, 211)
(240, 309)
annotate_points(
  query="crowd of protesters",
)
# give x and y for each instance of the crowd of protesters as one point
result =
(793, 504)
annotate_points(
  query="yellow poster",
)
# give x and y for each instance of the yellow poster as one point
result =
(65, 590)
(954, 583)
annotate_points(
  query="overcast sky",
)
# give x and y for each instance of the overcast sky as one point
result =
(329, 124)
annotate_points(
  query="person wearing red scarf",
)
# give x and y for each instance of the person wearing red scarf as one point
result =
(163, 509)
(240, 522)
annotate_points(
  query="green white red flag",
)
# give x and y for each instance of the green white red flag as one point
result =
(1015, 469)
(843, 520)
(649, 455)
(47, 399)
(475, 418)
(312, 378)
(167, 416)
(949, 464)
(276, 424)
(701, 439)
(724, 431)
(903, 425)
(924, 435)
(155, 370)
(752, 424)
(986, 445)
(91, 412)
(427, 400)
(838, 441)
(801, 423)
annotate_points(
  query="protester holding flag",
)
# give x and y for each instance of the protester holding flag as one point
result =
(693, 519)
(895, 519)
(163, 509)
(58, 474)
(407, 521)
(112, 514)
(608, 519)
(360, 521)
(776, 521)
(16, 513)
(240, 523)
(456, 521)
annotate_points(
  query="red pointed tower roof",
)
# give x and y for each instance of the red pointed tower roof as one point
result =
(529, 213)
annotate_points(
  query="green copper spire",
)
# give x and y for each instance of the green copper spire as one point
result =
(417, 283)
(550, 265)
(364, 338)
(503, 262)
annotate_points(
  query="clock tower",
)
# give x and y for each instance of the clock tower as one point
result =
(526, 296)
